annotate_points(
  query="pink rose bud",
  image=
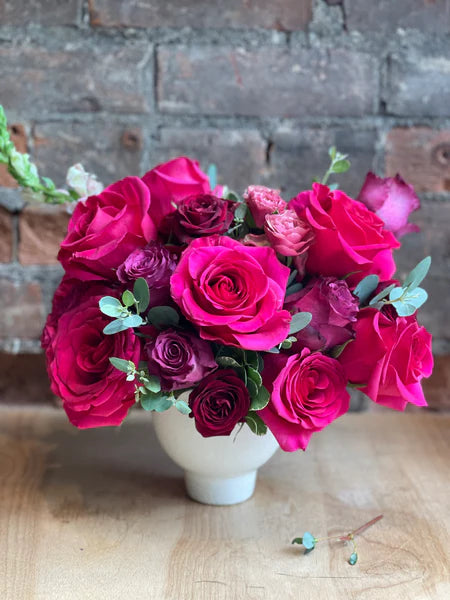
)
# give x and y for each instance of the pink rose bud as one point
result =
(287, 233)
(263, 201)
(392, 199)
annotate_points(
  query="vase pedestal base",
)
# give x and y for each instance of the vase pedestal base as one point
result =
(220, 491)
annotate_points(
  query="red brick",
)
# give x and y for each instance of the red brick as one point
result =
(269, 81)
(430, 16)
(19, 139)
(44, 12)
(42, 228)
(23, 380)
(23, 312)
(238, 154)
(104, 77)
(437, 387)
(109, 150)
(288, 15)
(421, 155)
(6, 236)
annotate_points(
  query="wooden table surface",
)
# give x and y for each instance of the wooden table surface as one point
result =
(102, 515)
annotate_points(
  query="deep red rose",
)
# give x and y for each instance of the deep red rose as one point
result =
(388, 358)
(172, 181)
(219, 403)
(349, 238)
(307, 392)
(333, 308)
(94, 393)
(179, 358)
(105, 229)
(198, 216)
(392, 199)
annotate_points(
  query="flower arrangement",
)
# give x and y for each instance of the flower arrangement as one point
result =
(265, 311)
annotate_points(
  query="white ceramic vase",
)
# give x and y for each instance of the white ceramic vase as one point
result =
(218, 470)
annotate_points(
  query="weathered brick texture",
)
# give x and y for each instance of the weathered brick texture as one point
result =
(41, 231)
(6, 236)
(240, 155)
(108, 149)
(385, 16)
(288, 15)
(37, 81)
(419, 84)
(44, 12)
(337, 82)
(23, 310)
(421, 155)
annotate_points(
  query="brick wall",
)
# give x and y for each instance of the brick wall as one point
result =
(260, 88)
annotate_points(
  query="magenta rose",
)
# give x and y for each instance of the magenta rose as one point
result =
(233, 293)
(392, 199)
(198, 216)
(219, 403)
(333, 308)
(307, 393)
(263, 201)
(179, 358)
(155, 263)
(388, 358)
(287, 233)
(349, 238)
(172, 181)
(94, 393)
(105, 229)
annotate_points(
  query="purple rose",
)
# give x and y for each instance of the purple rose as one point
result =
(333, 308)
(179, 358)
(155, 264)
(219, 403)
(202, 215)
(392, 199)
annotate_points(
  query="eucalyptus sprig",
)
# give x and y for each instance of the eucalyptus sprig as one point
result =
(26, 173)
(339, 164)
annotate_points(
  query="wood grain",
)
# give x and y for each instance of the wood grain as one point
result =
(102, 514)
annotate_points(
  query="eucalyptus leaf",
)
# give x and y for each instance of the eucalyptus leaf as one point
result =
(300, 321)
(132, 321)
(418, 274)
(407, 302)
(294, 288)
(292, 277)
(128, 298)
(366, 287)
(156, 402)
(120, 363)
(387, 290)
(240, 212)
(112, 307)
(230, 195)
(115, 326)
(341, 166)
(163, 316)
(261, 400)
(152, 384)
(212, 176)
(332, 152)
(182, 407)
(141, 293)
(255, 423)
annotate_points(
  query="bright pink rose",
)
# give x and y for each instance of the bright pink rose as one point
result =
(263, 201)
(333, 308)
(389, 357)
(105, 229)
(307, 393)
(219, 403)
(349, 238)
(233, 293)
(172, 181)
(392, 199)
(94, 393)
(287, 233)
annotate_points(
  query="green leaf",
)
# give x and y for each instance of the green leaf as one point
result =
(261, 400)
(274, 350)
(132, 321)
(418, 274)
(156, 402)
(115, 326)
(366, 287)
(212, 176)
(341, 166)
(297, 541)
(163, 316)
(112, 307)
(254, 376)
(387, 290)
(251, 359)
(300, 321)
(292, 277)
(152, 384)
(338, 350)
(252, 388)
(292, 289)
(182, 407)
(227, 362)
(353, 558)
(332, 152)
(230, 195)
(260, 363)
(128, 299)
(407, 302)
(48, 183)
(255, 423)
(141, 293)
(121, 364)
(240, 212)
